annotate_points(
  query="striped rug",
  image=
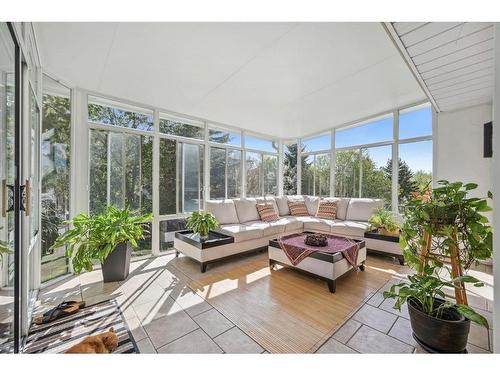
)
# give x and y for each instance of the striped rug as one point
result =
(60, 335)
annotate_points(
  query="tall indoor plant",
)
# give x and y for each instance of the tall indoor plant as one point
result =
(107, 238)
(442, 225)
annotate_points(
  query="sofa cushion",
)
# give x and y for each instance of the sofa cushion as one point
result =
(298, 208)
(246, 209)
(267, 212)
(322, 225)
(342, 204)
(270, 229)
(327, 209)
(349, 228)
(242, 232)
(282, 203)
(312, 204)
(223, 210)
(361, 209)
(292, 223)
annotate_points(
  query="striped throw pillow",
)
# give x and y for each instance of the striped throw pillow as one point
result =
(267, 212)
(327, 209)
(298, 208)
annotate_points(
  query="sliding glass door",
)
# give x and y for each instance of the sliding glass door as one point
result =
(8, 218)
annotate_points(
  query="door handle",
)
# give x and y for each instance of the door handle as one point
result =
(7, 198)
(26, 197)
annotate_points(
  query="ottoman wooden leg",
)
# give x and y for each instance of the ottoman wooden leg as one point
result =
(332, 285)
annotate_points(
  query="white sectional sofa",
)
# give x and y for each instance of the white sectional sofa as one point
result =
(239, 218)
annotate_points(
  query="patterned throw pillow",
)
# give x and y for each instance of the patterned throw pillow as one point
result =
(327, 209)
(267, 212)
(298, 208)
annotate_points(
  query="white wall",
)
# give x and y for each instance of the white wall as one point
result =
(460, 147)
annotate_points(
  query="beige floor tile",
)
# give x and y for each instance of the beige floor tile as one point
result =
(401, 330)
(169, 328)
(332, 346)
(376, 300)
(369, 340)
(375, 318)
(472, 349)
(235, 341)
(213, 322)
(98, 288)
(136, 329)
(146, 346)
(149, 311)
(388, 305)
(192, 303)
(345, 332)
(196, 342)
(478, 336)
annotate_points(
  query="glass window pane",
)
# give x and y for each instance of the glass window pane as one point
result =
(224, 136)
(254, 175)
(415, 122)
(256, 143)
(415, 168)
(378, 130)
(290, 169)
(270, 174)
(307, 183)
(192, 177)
(182, 128)
(120, 171)
(217, 173)
(55, 167)
(34, 164)
(108, 112)
(320, 143)
(233, 174)
(347, 173)
(98, 191)
(168, 176)
(377, 173)
(322, 175)
(167, 231)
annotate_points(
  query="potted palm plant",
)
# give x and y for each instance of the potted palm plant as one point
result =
(384, 222)
(442, 225)
(202, 222)
(106, 238)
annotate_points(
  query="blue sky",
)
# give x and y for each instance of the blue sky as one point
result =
(414, 123)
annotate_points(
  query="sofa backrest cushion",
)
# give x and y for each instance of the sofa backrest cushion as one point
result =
(361, 209)
(282, 204)
(246, 209)
(342, 204)
(223, 210)
(269, 199)
(312, 204)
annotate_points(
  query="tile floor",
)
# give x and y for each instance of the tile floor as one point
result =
(166, 316)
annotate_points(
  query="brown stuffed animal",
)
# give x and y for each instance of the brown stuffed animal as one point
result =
(103, 343)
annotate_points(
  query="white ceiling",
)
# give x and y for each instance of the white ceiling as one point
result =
(282, 79)
(454, 59)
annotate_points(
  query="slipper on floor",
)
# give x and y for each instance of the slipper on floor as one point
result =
(60, 311)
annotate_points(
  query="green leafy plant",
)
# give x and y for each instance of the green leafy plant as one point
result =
(385, 220)
(202, 222)
(4, 249)
(454, 222)
(452, 219)
(426, 291)
(93, 238)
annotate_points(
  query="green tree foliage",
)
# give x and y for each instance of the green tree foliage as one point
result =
(406, 179)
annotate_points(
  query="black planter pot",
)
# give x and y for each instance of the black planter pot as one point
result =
(117, 265)
(439, 335)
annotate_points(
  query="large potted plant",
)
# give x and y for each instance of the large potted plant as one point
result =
(442, 225)
(384, 222)
(106, 238)
(202, 222)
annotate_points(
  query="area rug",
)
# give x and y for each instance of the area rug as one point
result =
(284, 311)
(60, 335)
